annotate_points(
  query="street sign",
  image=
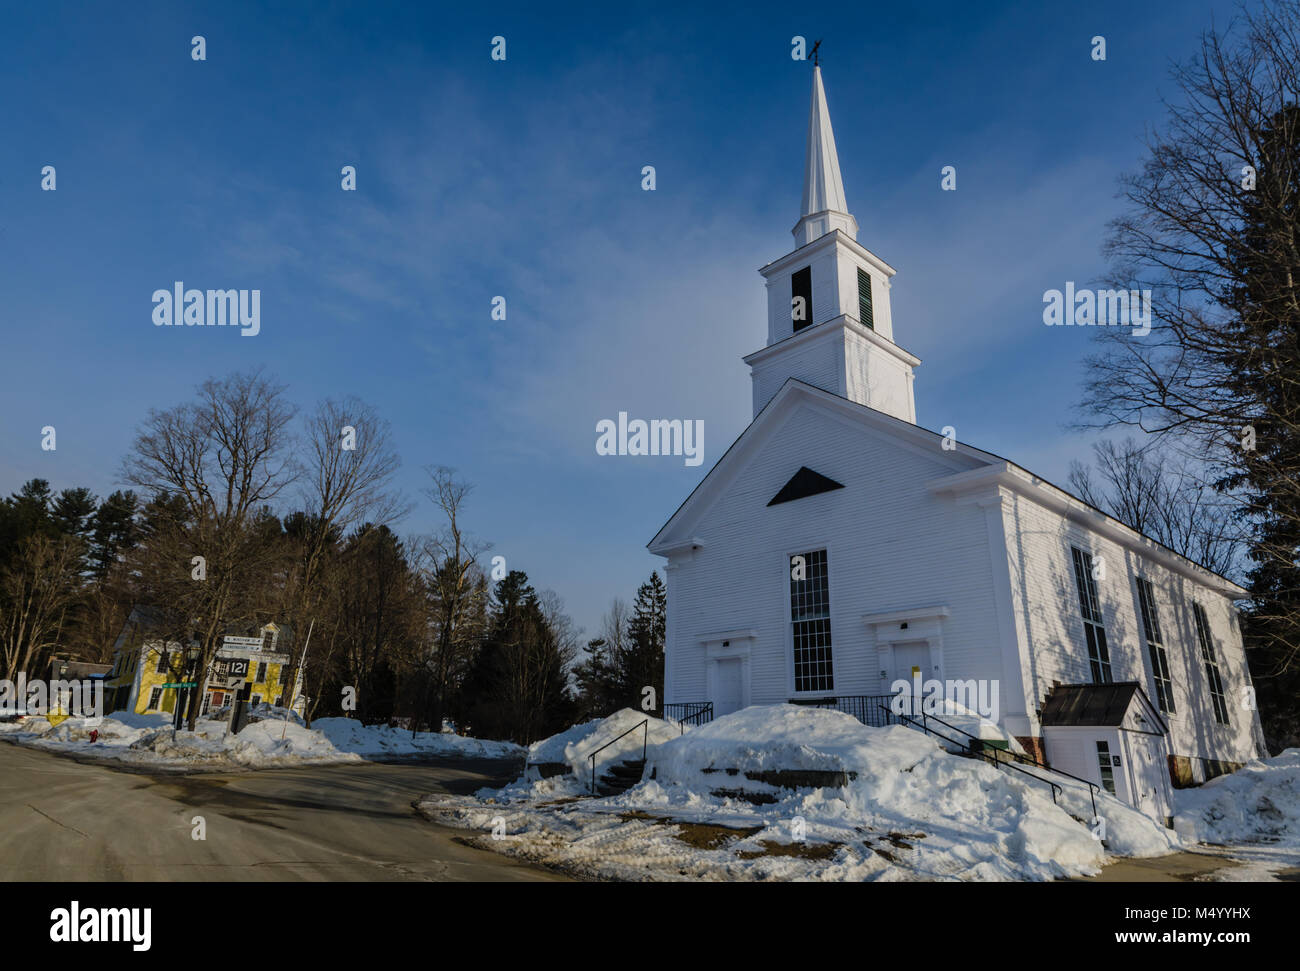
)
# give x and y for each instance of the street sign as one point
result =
(182, 684)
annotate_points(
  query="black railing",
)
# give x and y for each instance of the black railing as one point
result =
(690, 712)
(978, 752)
(871, 710)
(645, 742)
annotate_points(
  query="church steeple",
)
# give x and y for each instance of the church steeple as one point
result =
(824, 207)
(829, 322)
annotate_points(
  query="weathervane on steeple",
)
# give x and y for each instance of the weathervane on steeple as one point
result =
(814, 52)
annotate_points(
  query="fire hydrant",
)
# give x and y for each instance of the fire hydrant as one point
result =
(94, 734)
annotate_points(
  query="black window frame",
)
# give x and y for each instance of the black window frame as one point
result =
(1094, 628)
(1210, 660)
(810, 624)
(1156, 652)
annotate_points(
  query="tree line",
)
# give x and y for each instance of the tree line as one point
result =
(243, 510)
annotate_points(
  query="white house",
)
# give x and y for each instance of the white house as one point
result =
(838, 547)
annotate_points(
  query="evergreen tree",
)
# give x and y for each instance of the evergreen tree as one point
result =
(643, 665)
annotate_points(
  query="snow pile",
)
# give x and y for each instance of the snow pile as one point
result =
(1258, 803)
(794, 792)
(150, 740)
(575, 745)
(383, 741)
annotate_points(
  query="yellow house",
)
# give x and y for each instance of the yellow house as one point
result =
(147, 671)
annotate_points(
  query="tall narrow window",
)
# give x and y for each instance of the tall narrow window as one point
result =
(864, 300)
(163, 661)
(155, 697)
(261, 673)
(801, 298)
(1103, 763)
(1156, 646)
(1212, 675)
(810, 616)
(1093, 629)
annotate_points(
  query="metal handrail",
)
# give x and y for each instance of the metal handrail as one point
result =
(645, 741)
(979, 753)
(1092, 786)
(693, 712)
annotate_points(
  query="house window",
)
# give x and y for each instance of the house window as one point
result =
(261, 672)
(1156, 646)
(864, 300)
(268, 640)
(256, 700)
(810, 615)
(801, 298)
(1103, 763)
(155, 696)
(278, 699)
(1211, 660)
(1094, 631)
(163, 661)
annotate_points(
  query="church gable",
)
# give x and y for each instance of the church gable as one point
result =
(858, 450)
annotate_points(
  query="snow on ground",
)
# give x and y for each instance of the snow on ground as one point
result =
(382, 741)
(272, 742)
(711, 806)
(149, 740)
(1251, 815)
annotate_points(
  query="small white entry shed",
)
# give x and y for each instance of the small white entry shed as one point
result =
(1112, 735)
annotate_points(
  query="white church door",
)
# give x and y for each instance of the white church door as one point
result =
(1148, 758)
(910, 659)
(728, 679)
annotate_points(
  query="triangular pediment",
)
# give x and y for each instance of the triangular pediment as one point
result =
(803, 484)
(795, 395)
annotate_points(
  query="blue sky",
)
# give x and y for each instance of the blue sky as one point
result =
(523, 178)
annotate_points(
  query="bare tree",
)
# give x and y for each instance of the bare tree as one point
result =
(1212, 230)
(35, 591)
(1159, 495)
(228, 456)
(346, 481)
(457, 593)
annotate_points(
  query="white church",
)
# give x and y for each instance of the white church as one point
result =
(838, 547)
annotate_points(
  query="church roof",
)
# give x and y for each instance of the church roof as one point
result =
(1096, 705)
(973, 468)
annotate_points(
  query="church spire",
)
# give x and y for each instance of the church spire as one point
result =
(824, 206)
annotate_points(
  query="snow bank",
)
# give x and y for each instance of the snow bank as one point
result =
(150, 740)
(575, 745)
(794, 792)
(1258, 803)
(382, 741)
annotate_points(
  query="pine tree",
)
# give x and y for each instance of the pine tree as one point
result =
(643, 667)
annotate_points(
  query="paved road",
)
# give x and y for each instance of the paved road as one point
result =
(65, 820)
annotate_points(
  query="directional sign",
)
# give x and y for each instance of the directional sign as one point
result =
(182, 684)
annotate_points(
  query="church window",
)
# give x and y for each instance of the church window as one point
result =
(1093, 629)
(810, 615)
(1155, 646)
(864, 300)
(1211, 660)
(801, 298)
